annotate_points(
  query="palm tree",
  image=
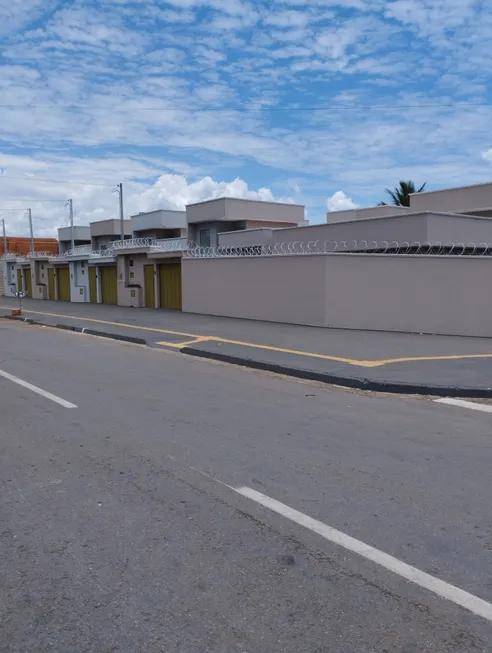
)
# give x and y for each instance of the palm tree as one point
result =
(400, 196)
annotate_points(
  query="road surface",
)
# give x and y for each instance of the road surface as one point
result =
(152, 503)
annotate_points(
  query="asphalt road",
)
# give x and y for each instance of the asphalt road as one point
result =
(121, 530)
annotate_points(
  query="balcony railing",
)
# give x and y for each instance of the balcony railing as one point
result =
(35, 255)
(79, 250)
(102, 253)
(169, 245)
(132, 243)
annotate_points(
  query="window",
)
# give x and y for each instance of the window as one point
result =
(204, 237)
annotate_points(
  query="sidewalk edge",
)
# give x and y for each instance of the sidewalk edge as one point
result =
(77, 329)
(344, 381)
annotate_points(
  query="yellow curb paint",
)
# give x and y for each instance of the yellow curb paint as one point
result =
(122, 324)
(307, 354)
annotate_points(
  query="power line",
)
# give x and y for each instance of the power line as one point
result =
(30, 200)
(57, 181)
(261, 107)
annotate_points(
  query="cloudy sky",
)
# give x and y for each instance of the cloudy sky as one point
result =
(322, 102)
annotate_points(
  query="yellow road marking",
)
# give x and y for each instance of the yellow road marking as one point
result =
(349, 361)
(178, 345)
(197, 338)
(91, 319)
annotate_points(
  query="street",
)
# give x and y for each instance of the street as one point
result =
(125, 526)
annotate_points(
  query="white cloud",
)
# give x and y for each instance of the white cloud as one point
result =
(487, 156)
(94, 202)
(175, 192)
(340, 202)
(144, 91)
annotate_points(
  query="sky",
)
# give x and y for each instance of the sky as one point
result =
(320, 102)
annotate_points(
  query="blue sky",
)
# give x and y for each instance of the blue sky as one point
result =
(190, 99)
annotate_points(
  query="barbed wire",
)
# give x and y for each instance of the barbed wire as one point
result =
(314, 247)
(341, 247)
(38, 255)
(171, 245)
(132, 242)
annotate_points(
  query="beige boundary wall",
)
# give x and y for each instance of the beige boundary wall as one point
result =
(419, 294)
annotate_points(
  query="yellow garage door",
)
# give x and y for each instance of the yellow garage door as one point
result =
(170, 285)
(51, 283)
(28, 282)
(20, 286)
(93, 285)
(63, 281)
(149, 286)
(109, 285)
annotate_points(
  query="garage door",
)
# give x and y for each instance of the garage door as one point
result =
(20, 286)
(93, 285)
(170, 285)
(149, 286)
(63, 281)
(109, 285)
(28, 282)
(51, 283)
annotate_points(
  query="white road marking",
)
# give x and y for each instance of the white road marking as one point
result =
(484, 408)
(445, 590)
(39, 391)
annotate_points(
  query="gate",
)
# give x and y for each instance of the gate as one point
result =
(93, 285)
(109, 285)
(149, 280)
(170, 285)
(28, 282)
(63, 281)
(51, 283)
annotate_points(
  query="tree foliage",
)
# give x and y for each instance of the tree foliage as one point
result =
(400, 196)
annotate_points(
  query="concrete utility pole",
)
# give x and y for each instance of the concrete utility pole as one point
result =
(30, 229)
(122, 223)
(4, 237)
(70, 208)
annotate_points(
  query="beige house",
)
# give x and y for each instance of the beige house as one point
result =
(472, 200)
(206, 220)
(371, 234)
(81, 236)
(104, 232)
(159, 225)
(469, 200)
(376, 268)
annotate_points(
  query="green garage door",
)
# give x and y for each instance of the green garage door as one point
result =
(63, 282)
(170, 285)
(109, 285)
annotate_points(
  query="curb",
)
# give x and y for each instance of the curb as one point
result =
(113, 336)
(76, 329)
(344, 381)
(354, 383)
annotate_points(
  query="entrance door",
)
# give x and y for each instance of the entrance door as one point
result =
(170, 285)
(149, 286)
(63, 279)
(28, 282)
(51, 283)
(109, 285)
(20, 286)
(93, 285)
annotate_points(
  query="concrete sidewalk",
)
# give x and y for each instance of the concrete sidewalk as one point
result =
(383, 361)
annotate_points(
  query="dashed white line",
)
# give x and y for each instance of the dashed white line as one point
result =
(39, 391)
(461, 403)
(445, 590)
